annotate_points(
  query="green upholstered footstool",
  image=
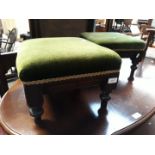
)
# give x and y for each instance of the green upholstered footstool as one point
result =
(50, 62)
(126, 46)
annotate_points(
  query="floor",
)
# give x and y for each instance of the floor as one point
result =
(77, 111)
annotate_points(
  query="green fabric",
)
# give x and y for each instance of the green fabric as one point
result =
(55, 57)
(114, 40)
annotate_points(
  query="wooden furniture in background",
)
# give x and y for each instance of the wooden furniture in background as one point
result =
(149, 39)
(9, 42)
(7, 60)
(60, 27)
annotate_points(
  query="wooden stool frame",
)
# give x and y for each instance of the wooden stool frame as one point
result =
(34, 92)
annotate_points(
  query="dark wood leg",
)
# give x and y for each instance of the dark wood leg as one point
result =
(34, 98)
(135, 60)
(105, 97)
(3, 83)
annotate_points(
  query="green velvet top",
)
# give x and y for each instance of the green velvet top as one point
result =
(45, 58)
(114, 40)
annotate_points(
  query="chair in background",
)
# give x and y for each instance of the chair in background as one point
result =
(149, 38)
(148, 32)
(7, 60)
(126, 25)
(118, 25)
(1, 35)
(9, 42)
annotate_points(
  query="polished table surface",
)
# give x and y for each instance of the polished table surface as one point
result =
(66, 113)
(14, 114)
(76, 112)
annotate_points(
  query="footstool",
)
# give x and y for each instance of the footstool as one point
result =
(126, 46)
(51, 62)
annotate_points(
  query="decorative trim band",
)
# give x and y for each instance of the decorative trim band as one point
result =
(37, 82)
(138, 50)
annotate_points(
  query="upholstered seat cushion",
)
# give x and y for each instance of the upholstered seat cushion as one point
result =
(45, 58)
(115, 40)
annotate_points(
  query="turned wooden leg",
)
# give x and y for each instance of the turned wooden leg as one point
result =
(135, 60)
(34, 100)
(105, 97)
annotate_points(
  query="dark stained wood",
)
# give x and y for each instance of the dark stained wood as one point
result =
(109, 23)
(135, 56)
(151, 34)
(7, 60)
(60, 27)
(34, 93)
(34, 100)
(76, 112)
(105, 97)
(135, 60)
